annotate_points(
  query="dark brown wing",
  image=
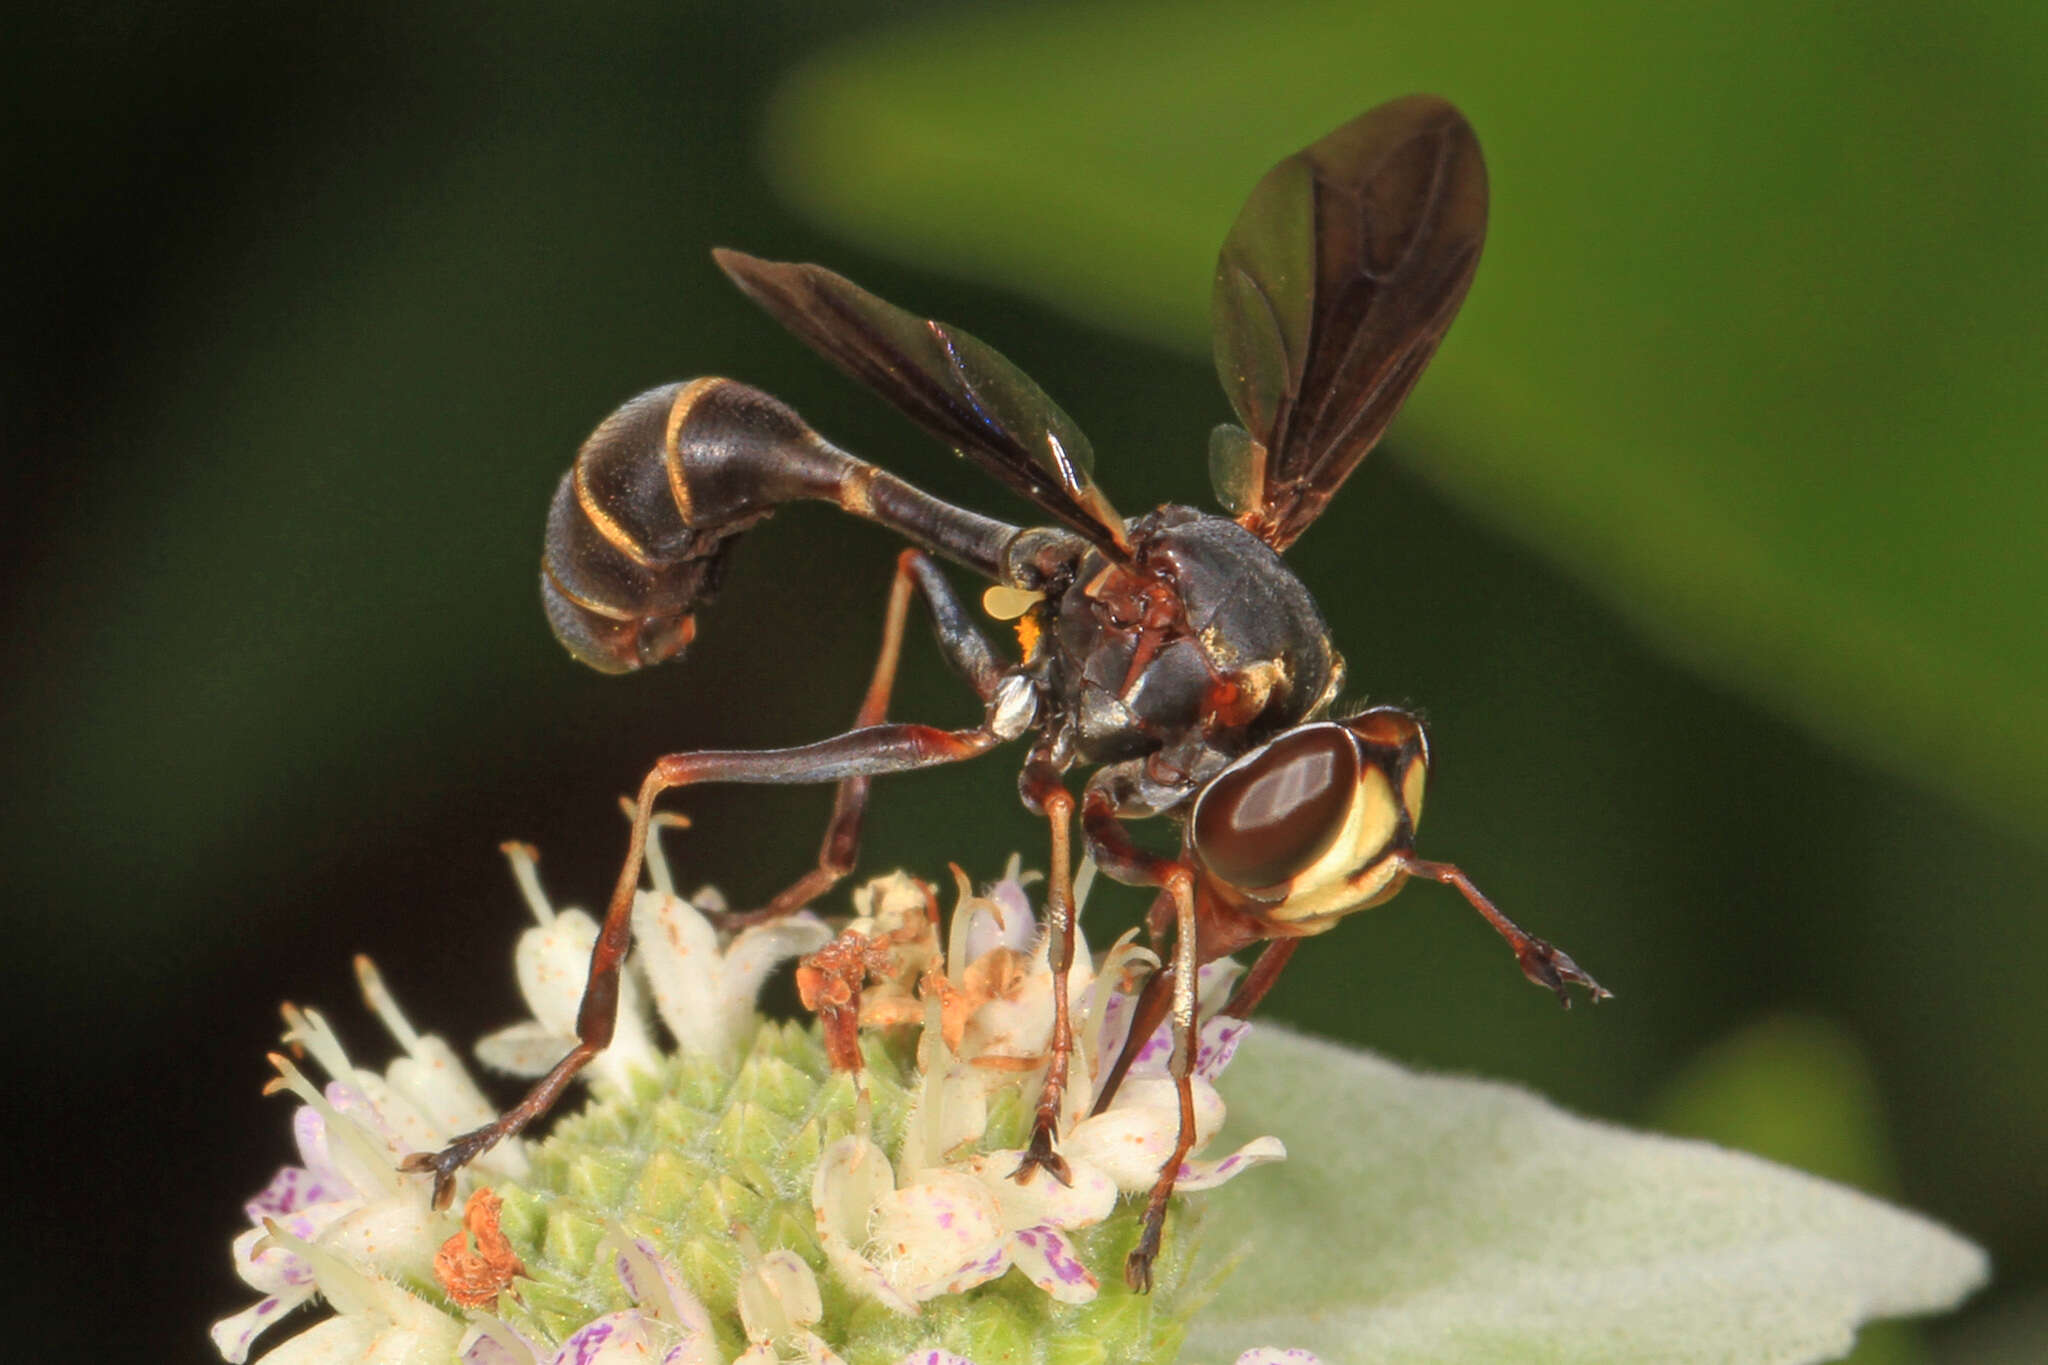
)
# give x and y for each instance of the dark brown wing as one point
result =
(1335, 285)
(952, 385)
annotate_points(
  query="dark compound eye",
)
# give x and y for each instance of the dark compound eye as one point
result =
(1272, 816)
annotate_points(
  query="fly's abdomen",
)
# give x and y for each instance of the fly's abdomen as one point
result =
(641, 524)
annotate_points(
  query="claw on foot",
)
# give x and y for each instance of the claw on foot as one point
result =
(1040, 1156)
(1552, 968)
(446, 1162)
(1138, 1265)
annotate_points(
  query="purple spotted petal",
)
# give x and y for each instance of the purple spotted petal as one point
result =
(1156, 1053)
(1018, 930)
(1217, 1045)
(500, 1345)
(309, 1132)
(232, 1336)
(353, 1104)
(1116, 1019)
(1269, 1355)
(612, 1339)
(290, 1190)
(979, 1271)
(1049, 1260)
(622, 1266)
(934, 1357)
(653, 1284)
(1207, 1175)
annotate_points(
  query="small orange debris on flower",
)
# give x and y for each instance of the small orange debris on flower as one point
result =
(474, 1278)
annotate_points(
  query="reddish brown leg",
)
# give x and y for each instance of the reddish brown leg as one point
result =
(1260, 978)
(1124, 861)
(968, 652)
(1044, 792)
(1138, 1266)
(1172, 988)
(1156, 998)
(858, 753)
(1541, 963)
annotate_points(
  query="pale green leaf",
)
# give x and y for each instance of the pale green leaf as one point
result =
(1430, 1218)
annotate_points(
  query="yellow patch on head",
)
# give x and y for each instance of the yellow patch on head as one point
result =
(1355, 868)
(1411, 789)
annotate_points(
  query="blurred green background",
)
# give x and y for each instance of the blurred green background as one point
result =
(1712, 543)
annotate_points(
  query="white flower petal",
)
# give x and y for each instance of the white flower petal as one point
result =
(758, 950)
(437, 1084)
(1270, 1355)
(778, 1298)
(929, 1236)
(528, 1050)
(705, 993)
(677, 949)
(1207, 1175)
(1001, 919)
(814, 1351)
(853, 1174)
(1043, 1201)
(1216, 1043)
(957, 1103)
(377, 1324)
(978, 1272)
(789, 1279)
(656, 1287)
(1016, 1027)
(553, 963)
(398, 1237)
(1138, 1131)
(1215, 1038)
(343, 1338)
(233, 1335)
(274, 1269)
(309, 1134)
(295, 1187)
(492, 1342)
(627, 1337)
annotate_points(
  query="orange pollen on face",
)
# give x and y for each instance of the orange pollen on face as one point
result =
(1028, 633)
(475, 1274)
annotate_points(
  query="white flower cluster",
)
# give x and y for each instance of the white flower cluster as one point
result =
(411, 1284)
(948, 1216)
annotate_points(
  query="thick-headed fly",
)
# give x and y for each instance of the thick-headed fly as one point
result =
(1173, 653)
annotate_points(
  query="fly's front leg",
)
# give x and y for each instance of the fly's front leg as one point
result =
(1170, 990)
(1045, 794)
(1138, 1265)
(969, 654)
(1547, 966)
(858, 753)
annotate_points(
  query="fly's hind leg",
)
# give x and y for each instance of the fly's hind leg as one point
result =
(858, 753)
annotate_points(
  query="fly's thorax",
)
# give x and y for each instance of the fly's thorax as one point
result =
(1316, 823)
(1207, 632)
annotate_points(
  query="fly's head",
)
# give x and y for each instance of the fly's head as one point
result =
(1317, 822)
